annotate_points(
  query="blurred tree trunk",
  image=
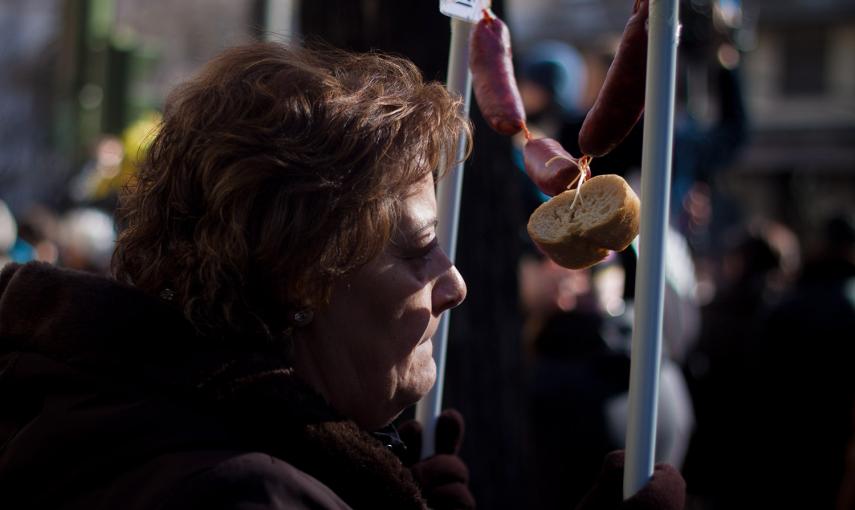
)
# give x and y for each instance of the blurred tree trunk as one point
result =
(483, 377)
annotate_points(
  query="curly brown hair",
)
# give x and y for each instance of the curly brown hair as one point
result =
(274, 172)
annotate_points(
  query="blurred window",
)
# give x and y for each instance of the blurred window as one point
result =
(805, 62)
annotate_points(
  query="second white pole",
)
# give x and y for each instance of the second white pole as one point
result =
(646, 354)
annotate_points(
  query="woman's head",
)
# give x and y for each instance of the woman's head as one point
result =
(369, 350)
(276, 172)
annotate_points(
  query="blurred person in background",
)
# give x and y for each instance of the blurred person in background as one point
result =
(112, 164)
(8, 234)
(277, 283)
(86, 240)
(572, 375)
(39, 228)
(552, 81)
(800, 377)
(14, 246)
(577, 340)
(718, 367)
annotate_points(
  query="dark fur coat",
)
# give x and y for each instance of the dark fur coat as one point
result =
(108, 399)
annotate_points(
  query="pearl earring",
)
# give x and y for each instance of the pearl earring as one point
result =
(303, 317)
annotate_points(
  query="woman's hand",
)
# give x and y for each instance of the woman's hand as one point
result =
(442, 477)
(666, 489)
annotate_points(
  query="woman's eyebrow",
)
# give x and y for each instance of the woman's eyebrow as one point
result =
(414, 233)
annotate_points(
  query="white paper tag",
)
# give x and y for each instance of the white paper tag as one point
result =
(467, 10)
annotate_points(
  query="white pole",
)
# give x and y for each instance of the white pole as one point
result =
(281, 20)
(655, 190)
(459, 82)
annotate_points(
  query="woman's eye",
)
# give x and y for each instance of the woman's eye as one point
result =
(422, 254)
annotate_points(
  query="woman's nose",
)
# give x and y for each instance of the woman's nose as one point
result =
(449, 290)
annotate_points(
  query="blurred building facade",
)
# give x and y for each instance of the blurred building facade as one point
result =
(799, 165)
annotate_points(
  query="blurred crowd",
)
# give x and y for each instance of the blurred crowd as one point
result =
(80, 238)
(81, 234)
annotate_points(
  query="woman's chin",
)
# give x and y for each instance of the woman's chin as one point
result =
(425, 376)
(421, 378)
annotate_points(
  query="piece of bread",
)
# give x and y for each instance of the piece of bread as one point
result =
(605, 217)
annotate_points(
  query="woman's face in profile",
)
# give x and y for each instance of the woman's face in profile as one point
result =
(369, 352)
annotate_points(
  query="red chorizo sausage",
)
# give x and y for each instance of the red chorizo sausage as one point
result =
(620, 102)
(493, 76)
(550, 167)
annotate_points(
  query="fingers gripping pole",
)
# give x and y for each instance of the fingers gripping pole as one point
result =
(459, 82)
(655, 190)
